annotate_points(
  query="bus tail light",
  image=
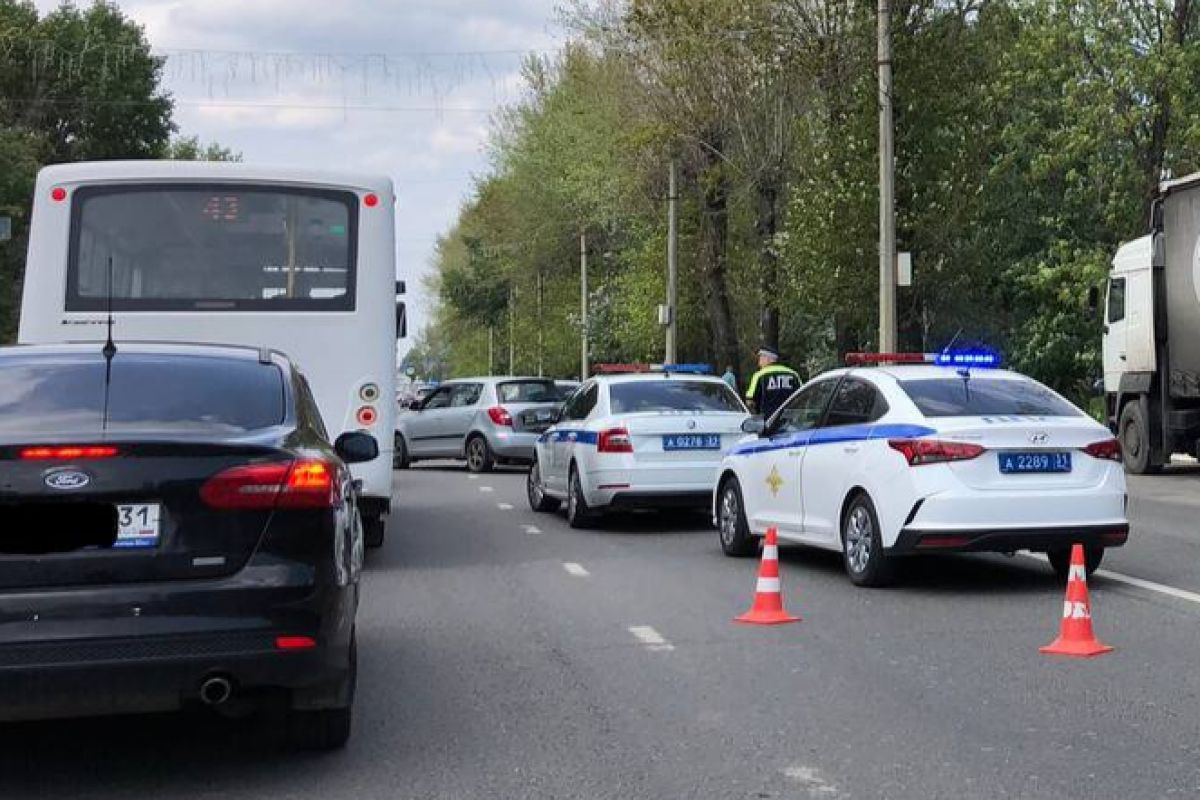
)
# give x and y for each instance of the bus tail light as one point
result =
(500, 416)
(367, 416)
(918, 452)
(614, 440)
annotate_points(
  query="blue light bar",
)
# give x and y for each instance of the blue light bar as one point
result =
(685, 369)
(967, 358)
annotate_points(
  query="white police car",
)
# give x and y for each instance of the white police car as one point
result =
(629, 438)
(921, 454)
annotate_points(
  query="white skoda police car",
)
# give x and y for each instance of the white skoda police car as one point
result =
(634, 438)
(924, 453)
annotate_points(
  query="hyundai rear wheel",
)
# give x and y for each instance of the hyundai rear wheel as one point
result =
(862, 545)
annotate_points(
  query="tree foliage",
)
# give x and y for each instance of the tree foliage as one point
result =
(1030, 136)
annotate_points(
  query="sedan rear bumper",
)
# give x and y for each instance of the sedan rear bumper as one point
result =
(1004, 540)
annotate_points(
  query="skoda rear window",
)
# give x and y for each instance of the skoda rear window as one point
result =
(673, 395)
(986, 397)
(527, 392)
(146, 393)
(211, 247)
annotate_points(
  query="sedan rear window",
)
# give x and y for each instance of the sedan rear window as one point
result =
(527, 392)
(673, 395)
(956, 397)
(147, 392)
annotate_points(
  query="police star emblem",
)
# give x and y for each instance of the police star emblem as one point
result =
(774, 480)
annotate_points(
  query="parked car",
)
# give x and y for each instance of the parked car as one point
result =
(484, 420)
(175, 530)
(635, 439)
(924, 454)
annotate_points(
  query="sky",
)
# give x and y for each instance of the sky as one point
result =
(401, 87)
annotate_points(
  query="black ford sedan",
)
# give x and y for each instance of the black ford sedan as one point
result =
(175, 530)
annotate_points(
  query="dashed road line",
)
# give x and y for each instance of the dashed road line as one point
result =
(485, 488)
(532, 530)
(1141, 583)
(811, 781)
(575, 569)
(504, 506)
(472, 477)
(652, 639)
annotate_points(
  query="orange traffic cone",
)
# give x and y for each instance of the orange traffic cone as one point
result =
(1076, 637)
(768, 597)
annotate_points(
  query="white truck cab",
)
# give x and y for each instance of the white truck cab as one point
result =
(1151, 340)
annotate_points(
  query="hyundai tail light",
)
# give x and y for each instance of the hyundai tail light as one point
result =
(918, 452)
(1109, 450)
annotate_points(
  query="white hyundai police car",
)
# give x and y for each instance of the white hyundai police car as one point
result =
(631, 438)
(920, 454)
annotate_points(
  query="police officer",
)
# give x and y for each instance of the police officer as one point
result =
(772, 384)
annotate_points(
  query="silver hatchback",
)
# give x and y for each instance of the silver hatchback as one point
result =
(484, 420)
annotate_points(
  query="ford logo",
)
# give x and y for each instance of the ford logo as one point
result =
(67, 479)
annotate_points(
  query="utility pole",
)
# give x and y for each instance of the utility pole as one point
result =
(672, 262)
(491, 349)
(512, 339)
(583, 307)
(887, 190)
(540, 332)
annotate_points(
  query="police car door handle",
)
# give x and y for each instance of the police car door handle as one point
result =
(850, 448)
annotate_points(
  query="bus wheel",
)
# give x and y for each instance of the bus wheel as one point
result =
(374, 528)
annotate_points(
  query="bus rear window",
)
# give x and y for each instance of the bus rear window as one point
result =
(212, 247)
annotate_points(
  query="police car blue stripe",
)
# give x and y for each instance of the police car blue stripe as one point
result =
(841, 433)
(559, 435)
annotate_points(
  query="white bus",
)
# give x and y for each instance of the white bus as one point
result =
(297, 260)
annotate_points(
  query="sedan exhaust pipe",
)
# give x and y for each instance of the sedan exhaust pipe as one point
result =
(216, 690)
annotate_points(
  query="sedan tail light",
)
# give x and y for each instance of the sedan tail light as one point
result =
(1109, 449)
(614, 440)
(500, 416)
(307, 483)
(918, 452)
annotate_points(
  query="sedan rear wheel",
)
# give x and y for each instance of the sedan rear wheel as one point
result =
(862, 546)
(732, 528)
(1060, 560)
(479, 455)
(578, 513)
(536, 492)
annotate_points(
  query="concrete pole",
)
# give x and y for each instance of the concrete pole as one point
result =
(583, 307)
(512, 339)
(887, 191)
(491, 349)
(672, 262)
(541, 339)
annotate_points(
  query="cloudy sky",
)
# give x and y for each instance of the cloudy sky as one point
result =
(403, 87)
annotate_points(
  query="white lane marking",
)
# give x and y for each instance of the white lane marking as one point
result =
(652, 639)
(504, 506)
(485, 488)
(1141, 583)
(575, 569)
(472, 477)
(532, 530)
(811, 781)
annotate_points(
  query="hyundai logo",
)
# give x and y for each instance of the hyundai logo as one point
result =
(67, 479)
(1038, 438)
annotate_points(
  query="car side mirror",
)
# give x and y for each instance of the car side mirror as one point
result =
(356, 447)
(1093, 301)
(754, 425)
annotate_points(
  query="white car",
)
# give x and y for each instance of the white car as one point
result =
(898, 459)
(641, 440)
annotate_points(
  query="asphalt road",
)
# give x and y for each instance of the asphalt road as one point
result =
(504, 661)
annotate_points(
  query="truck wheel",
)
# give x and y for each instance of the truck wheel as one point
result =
(1134, 432)
(400, 457)
(374, 529)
